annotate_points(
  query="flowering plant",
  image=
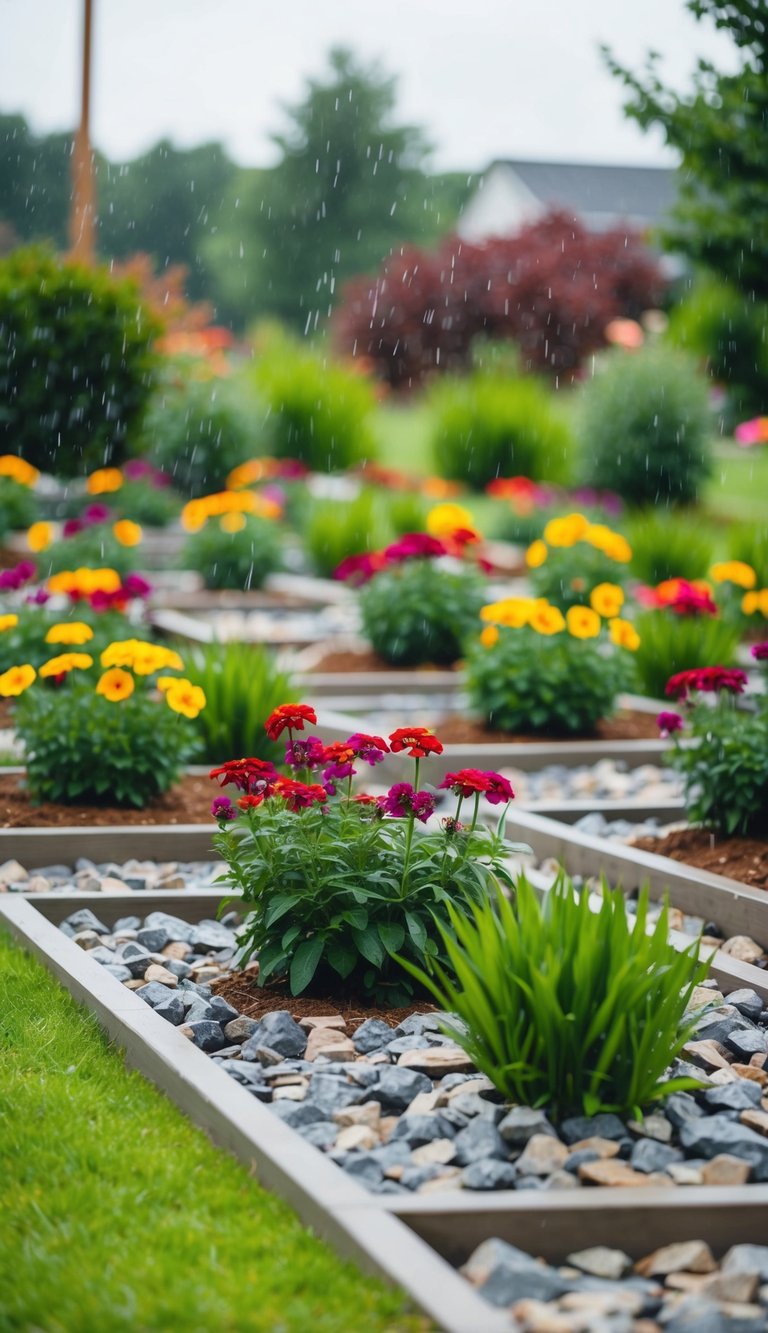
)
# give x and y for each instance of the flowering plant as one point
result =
(340, 882)
(681, 628)
(573, 557)
(535, 669)
(18, 504)
(106, 730)
(234, 540)
(725, 770)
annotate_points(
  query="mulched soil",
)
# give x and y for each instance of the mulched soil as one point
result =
(625, 726)
(367, 661)
(743, 859)
(6, 714)
(189, 802)
(243, 991)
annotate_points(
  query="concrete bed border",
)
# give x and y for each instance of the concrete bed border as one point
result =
(406, 1241)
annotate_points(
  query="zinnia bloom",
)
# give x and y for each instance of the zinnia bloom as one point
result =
(306, 753)
(445, 519)
(465, 782)
(489, 636)
(418, 741)
(414, 546)
(370, 748)
(668, 723)
(72, 632)
(401, 801)
(222, 808)
(245, 774)
(16, 680)
(760, 652)
(300, 795)
(706, 680)
(536, 554)
(116, 685)
(292, 716)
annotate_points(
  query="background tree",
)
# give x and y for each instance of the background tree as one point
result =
(720, 130)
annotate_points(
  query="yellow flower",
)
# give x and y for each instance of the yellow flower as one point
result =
(750, 603)
(16, 680)
(84, 581)
(232, 522)
(18, 470)
(609, 542)
(104, 480)
(489, 636)
(607, 599)
(39, 536)
(582, 622)
(59, 666)
(624, 634)
(565, 531)
(164, 683)
(8, 622)
(246, 474)
(70, 632)
(734, 571)
(511, 611)
(446, 518)
(115, 685)
(184, 697)
(546, 619)
(142, 657)
(193, 516)
(764, 602)
(536, 554)
(127, 532)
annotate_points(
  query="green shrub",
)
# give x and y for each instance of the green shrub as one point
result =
(76, 362)
(668, 545)
(197, 431)
(25, 641)
(152, 506)
(95, 547)
(574, 557)
(320, 413)
(716, 323)
(749, 542)
(241, 685)
(418, 612)
(670, 643)
(331, 530)
(18, 506)
(239, 559)
(565, 1008)
(533, 671)
(403, 511)
(486, 426)
(645, 427)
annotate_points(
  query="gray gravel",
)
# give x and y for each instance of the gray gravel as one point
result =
(86, 876)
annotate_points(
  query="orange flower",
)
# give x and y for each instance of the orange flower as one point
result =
(16, 680)
(39, 536)
(624, 635)
(115, 685)
(23, 473)
(232, 522)
(582, 622)
(59, 666)
(127, 532)
(72, 632)
(104, 480)
(546, 619)
(489, 636)
(566, 531)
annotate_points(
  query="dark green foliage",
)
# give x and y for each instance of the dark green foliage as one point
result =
(719, 132)
(670, 643)
(645, 428)
(554, 684)
(565, 1008)
(331, 530)
(76, 363)
(490, 426)
(152, 506)
(242, 686)
(726, 770)
(197, 431)
(726, 330)
(335, 895)
(82, 749)
(96, 547)
(26, 641)
(18, 506)
(417, 612)
(668, 546)
(241, 559)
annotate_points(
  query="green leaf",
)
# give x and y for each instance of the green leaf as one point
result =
(305, 962)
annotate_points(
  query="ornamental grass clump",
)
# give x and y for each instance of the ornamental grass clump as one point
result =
(419, 597)
(241, 683)
(562, 1007)
(725, 770)
(573, 556)
(537, 670)
(108, 731)
(339, 882)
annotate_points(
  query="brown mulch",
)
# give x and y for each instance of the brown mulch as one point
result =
(252, 1000)
(189, 802)
(367, 661)
(6, 714)
(743, 859)
(625, 726)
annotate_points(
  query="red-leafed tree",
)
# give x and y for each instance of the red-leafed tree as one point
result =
(552, 288)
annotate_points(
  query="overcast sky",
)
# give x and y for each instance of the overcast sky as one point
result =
(486, 78)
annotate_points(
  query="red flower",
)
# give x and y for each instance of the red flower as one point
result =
(251, 802)
(466, 782)
(709, 680)
(292, 716)
(418, 741)
(299, 795)
(414, 546)
(358, 569)
(370, 748)
(499, 789)
(245, 774)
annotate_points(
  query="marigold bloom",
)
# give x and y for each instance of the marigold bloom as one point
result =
(536, 554)
(127, 532)
(292, 716)
(609, 542)
(734, 571)
(583, 622)
(418, 741)
(606, 599)
(16, 680)
(444, 519)
(39, 536)
(566, 531)
(18, 470)
(232, 522)
(624, 634)
(104, 480)
(9, 621)
(115, 685)
(489, 636)
(72, 632)
(65, 662)
(750, 603)
(185, 698)
(546, 619)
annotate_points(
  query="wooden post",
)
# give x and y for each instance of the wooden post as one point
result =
(83, 214)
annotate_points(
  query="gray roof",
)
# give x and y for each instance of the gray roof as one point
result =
(645, 193)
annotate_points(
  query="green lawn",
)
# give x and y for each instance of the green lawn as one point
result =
(118, 1214)
(738, 488)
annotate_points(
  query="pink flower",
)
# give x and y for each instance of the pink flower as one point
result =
(760, 652)
(708, 680)
(401, 801)
(307, 753)
(222, 808)
(370, 748)
(668, 723)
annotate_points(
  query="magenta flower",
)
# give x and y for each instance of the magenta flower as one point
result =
(401, 801)
(760, 652)
(370, 748)
(135, 586)
(306, 753)
(668, 723)
(222, 808)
